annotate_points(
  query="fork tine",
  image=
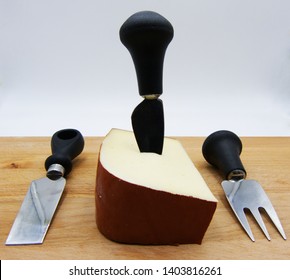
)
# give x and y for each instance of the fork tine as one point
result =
(257, 215)
(243, 221)
(269, 209)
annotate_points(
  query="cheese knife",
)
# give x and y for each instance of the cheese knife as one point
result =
(35, 215)
(146, 35)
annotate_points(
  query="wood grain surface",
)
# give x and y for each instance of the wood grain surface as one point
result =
(73, 233)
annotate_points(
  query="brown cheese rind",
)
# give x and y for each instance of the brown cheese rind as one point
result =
(133, 214)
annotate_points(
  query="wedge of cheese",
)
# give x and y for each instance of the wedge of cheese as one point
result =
(146, 198)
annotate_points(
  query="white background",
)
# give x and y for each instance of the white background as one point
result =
(62, 65)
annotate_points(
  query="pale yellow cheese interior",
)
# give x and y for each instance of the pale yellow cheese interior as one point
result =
(172, 172)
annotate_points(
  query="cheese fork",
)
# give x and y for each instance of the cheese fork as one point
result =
(222, 149)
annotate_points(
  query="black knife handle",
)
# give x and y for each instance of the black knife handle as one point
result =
(222, 149)
(146, 35)
(66, 145)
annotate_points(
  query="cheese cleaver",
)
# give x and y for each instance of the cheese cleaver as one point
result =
(38, 207)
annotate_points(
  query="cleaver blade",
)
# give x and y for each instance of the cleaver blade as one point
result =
(40, 203)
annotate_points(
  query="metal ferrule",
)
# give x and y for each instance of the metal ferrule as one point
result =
(55, 170)
(237, 175)
(151, 96)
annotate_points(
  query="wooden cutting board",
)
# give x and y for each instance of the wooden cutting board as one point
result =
(73, 233)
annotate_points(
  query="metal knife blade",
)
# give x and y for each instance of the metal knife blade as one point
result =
(36, 212)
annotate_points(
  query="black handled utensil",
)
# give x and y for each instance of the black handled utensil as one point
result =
(38, 207)
(222, 149)
(146, 35)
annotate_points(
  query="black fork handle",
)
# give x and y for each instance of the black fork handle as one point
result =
(222, 149)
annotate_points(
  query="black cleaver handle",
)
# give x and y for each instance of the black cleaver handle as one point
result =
(222, 149)
(66, 145)
(146, 35)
